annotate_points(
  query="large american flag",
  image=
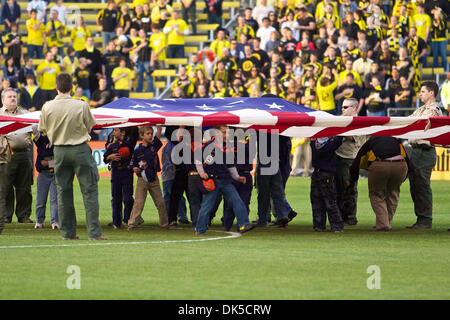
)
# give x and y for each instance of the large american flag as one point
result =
(257, 113)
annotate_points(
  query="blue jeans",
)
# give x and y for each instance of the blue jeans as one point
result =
(46, 184)
(381, 113)
(38, 49)
(167, 190)
(439, 48)
(87, 93)
(107, 36)
(231, 196)
(175, 51)
(143, 68)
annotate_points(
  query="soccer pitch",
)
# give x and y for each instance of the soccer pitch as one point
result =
(265, 263)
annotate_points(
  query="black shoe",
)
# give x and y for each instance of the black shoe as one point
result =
(184, 221)
(173, 224)
(419, 226)
(246, 227)
(292, 215)
(25, 220)
(320, 230)
(282, 222)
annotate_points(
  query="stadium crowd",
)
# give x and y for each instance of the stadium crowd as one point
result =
(316, 53)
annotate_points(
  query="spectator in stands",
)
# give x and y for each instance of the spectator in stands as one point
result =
(404, 64)
(144, 52)
(10, 14)
(122, 78)
(158, 43)
(176, 29)
(363, 64)
(13, 43)
(349, 90)
(422, 22)
(108, 19)
(445, 94)
(110, 59)
(62, 11)
(374, 71)
(325, 93)
(189, 10)
(27, 69)
(219, 43)
(31, 97)
(392, 84)
(79, 35)
(35, 30)
(261, 11)
(11, 72)
(376, 98)
(40, 7)
(55, 31)
(103, 95)
(125, 19)
(249, 19)
(213, 9)
(161, 13)
(83, 76)
(405, 97)
(47, 71)
(243, 27)
(439, 39)
(94, 61)
(264, 32)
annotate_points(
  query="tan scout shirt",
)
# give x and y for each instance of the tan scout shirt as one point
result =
(431, 110)
(19, 141)
(350, 146)
(66, 121)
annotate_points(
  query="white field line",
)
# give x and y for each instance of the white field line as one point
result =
(231, 235)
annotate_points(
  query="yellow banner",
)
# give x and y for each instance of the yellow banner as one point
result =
(442, 169)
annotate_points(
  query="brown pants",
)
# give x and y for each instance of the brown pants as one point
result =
(139, 201)
(385, 179)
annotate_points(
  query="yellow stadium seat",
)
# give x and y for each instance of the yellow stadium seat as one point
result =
(172, 61)
(164, 73)
(196, 39)
(141, 95)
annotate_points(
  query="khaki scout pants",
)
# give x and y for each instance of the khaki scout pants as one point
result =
(70, 161)
(139, 201)
(385, 179)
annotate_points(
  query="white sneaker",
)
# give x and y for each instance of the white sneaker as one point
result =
(39, 225)
(55, 226)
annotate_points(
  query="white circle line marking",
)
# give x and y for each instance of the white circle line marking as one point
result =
(231, 235)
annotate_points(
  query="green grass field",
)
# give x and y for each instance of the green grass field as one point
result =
(267, 263)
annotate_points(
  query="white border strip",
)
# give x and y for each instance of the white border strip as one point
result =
(231, 235)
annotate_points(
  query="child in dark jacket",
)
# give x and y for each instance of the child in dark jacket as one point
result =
(145, 164)
(118, 155)
(323, 187)
(45, 181)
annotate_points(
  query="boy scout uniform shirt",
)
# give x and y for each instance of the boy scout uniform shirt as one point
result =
(215, 170)
(431, 110)
(148, 154)
(350, 146)
(18, 141)
(66, 121)
(115, 148)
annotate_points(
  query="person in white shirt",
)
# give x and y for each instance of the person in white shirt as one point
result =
(261, 11)
(62, 11)
(264, 33)
(40, 7)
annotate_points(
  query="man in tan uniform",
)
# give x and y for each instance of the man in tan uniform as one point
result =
(423, 158)
(347, 199)
(5, 157)
(19, 170)
(67, 122)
